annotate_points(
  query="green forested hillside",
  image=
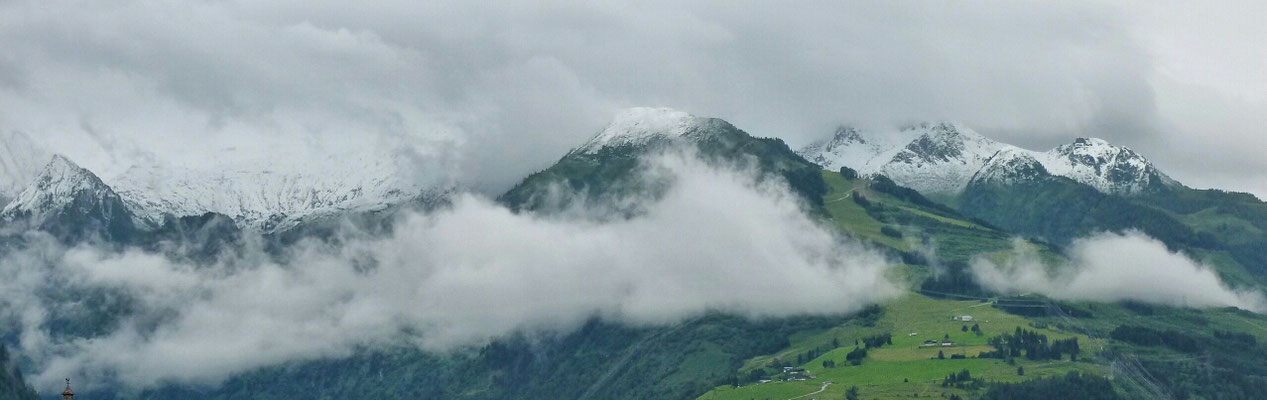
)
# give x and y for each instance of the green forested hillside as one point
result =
(877, 210)
(598, 361)
(1059, 210)
(1227, 230)
(1232, 222)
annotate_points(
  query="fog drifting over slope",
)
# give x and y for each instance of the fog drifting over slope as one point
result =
(717, 240)
(1112, 267)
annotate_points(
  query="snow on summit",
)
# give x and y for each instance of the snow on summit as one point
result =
(641, 124)
(58, 185)
(1010, 166)
(1108, 168)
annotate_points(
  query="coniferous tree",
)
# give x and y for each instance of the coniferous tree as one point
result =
(848, 173)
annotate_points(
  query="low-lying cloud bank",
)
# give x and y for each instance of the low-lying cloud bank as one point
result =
(717, 240)
(1112, 267)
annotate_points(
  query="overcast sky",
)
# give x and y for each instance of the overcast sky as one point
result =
(487, 92)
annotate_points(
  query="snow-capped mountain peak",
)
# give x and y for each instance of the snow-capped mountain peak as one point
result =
(65, 192)
(941, 143)
(1108, 168)
(857, 148)
(639, 125)
(944, 158)
(55, 186)
(1010, 166)
(941, 159)
(845, 136)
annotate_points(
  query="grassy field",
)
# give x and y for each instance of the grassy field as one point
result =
(898, 379)
(904, 369)
(851, 217)
(953, 238)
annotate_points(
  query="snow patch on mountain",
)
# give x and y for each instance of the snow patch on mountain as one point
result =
(636, 126)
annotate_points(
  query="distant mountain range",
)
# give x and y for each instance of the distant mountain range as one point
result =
(933, 158)
(942, 158)
(146, 196)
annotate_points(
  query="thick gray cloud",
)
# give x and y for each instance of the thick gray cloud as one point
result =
(493, 91)
(716, 241)
(1114, 267)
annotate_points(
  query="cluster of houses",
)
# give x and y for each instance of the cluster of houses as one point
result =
(790, 374)
(796, 374)
(799, 374)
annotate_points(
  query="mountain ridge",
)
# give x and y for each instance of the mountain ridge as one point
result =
(254, 197)
(262, 198)
(942, 158)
